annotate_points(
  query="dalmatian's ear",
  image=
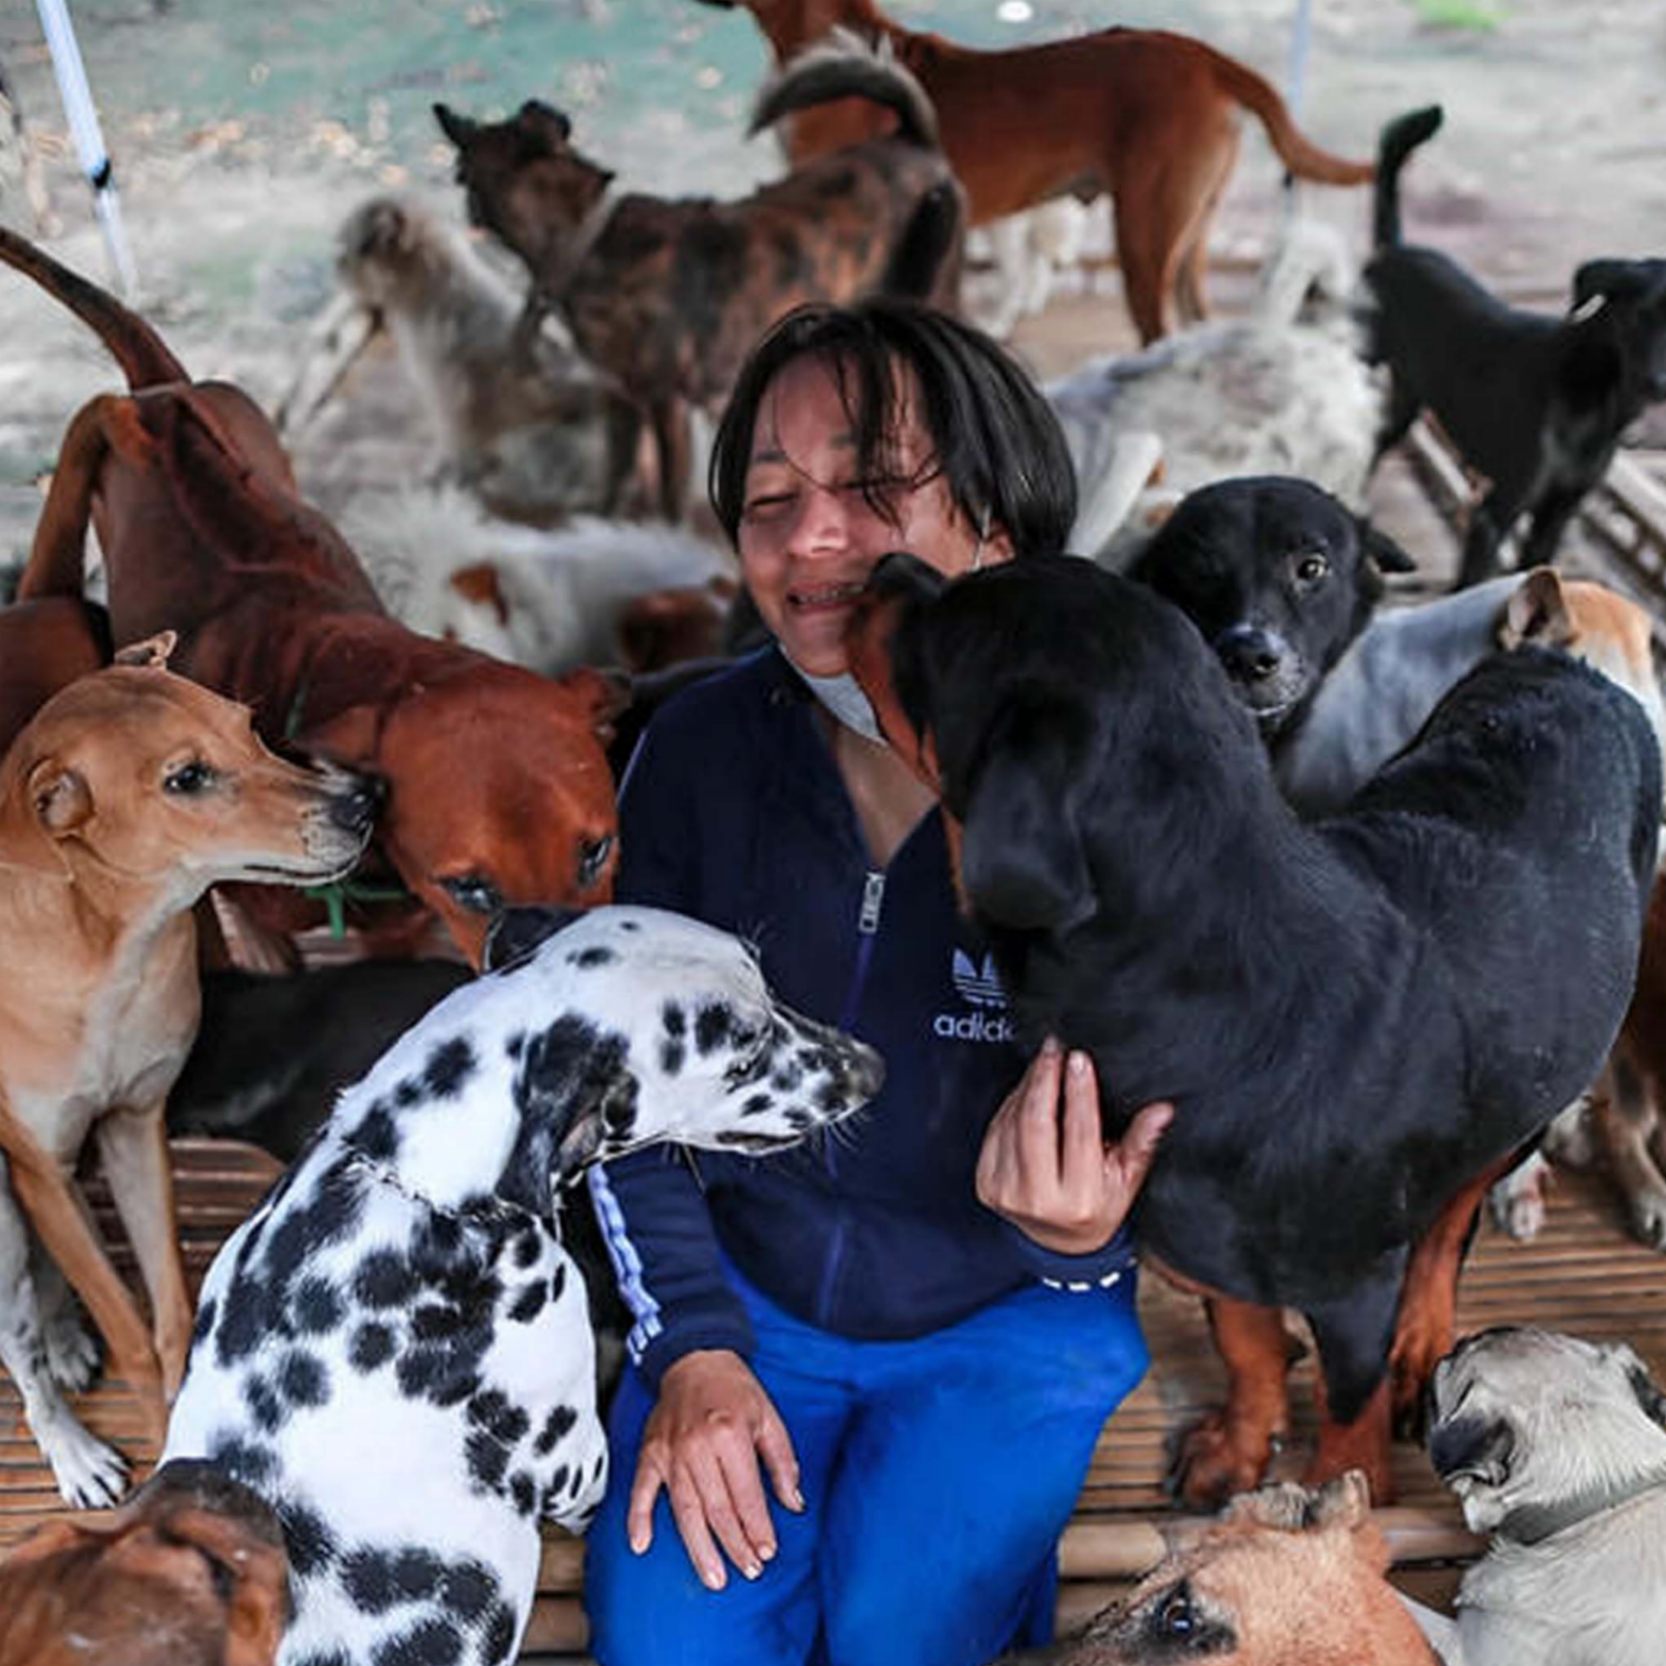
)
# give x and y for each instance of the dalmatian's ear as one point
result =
(572, 1089)
(516, 932)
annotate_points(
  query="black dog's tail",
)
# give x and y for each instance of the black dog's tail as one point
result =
(929, 249)
(845, 66)
(1399, 139)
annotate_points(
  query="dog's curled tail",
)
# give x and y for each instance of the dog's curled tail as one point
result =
(845, 66)
(1295, 150)
(135, 346)
(1399, 139)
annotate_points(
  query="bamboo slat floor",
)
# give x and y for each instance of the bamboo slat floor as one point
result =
(1583, 1274)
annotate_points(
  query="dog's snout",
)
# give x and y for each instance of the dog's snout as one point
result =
(1250, 653)
(355, 806)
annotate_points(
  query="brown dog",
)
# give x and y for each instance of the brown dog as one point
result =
(670, 296)
(1148, 116)
(192, 1572)
(128, 795)
(1284, 1578)
(44, 646)
(497, 785)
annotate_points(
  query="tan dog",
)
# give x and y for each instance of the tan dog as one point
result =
(1557, 1448)
(192, 1572)
(1285, 1578)
(528, 427)
(128, 795)
(1147, 116)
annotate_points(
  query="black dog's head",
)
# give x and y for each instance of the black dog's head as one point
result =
(1633, 294)
(1278, 576)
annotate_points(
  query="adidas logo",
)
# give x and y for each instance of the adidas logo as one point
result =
(981, 985)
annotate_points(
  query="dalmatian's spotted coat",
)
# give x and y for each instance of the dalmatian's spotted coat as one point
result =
(396, 1351)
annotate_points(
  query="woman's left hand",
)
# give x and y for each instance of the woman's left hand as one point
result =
(1052, 1175)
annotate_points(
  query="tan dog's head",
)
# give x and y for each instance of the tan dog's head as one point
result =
(498, 790)
(386, 248)
(1593, 623)
(522, 179)
(135, 778)
(1524, 1422)
(1284, 1576)
(191, 1572)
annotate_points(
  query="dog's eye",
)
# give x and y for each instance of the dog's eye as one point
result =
(1176, 1617)
(592, 859)
(189, 778)
(474, 892)
(1311, 567)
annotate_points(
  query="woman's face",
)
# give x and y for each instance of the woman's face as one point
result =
(808, 536)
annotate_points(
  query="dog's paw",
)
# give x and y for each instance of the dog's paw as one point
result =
(90, 1475)
(73, 1352)
(1214, 1463)
(1520, 1201)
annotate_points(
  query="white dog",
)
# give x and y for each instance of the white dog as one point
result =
(1557, 1448)
(395, 1350)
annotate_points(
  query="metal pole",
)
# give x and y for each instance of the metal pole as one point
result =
(1295, 86)
(89, 141)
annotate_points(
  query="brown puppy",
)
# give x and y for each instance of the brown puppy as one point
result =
(670, 296)
(497, 786)
(1284, 1577)
(45, 645)
(128, 795)
(192, 1572)
(1148, 116)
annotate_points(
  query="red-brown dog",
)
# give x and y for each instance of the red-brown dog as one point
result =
(191, 1572)
(498, 789)
(44, 646)
(1148, 116)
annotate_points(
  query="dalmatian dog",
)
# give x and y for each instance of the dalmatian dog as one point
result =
(395, 1351)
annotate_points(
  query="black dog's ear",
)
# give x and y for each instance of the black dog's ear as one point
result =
(1381, 550)
(1021, 859)
(545, 122)
(515, 932)
(900, 573)
(459, 129)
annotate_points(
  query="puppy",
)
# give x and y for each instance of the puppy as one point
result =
(1536, 404)
(1285, 1576)
(1557, 1448)
(1319, 1002)
(1279, 577)
(190, 1572)
(528, 427)
(394, 1351)
(128, 795)
(669, 297)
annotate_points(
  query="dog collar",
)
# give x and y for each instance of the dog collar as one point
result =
(1531, 1524)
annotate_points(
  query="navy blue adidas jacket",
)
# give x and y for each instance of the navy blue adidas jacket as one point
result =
(733, 811)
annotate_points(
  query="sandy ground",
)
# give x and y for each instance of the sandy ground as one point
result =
(242, 138)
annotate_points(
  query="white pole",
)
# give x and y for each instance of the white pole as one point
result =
(1295, 86)
(89, 141)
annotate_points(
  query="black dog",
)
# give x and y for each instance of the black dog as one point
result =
(1353, 1020)
(1536, 404)
(1279, 577)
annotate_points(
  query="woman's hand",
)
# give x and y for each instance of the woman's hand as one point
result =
(702, 1444)
(1053, 1176)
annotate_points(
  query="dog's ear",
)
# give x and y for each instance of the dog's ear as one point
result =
(61, 798)
(547, 128)
(1537, 611)
(604, 694)
(1022, 862)
(1344, 1502)
(516, 932)
(351, 738)
(1597, 281)
(459, 129)
(1382, 551)
(151, 654)
(1649, 1394)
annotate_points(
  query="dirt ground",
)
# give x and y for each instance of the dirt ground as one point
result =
(242, 133)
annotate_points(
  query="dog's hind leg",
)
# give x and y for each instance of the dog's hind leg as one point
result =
(1401, 413)
(1228, 1451)
(1488, 522)
(1549, 521)
(674, 446)
(57, 558)
(1354, 1335)
(1624, 1117)
(1194, 255)
(89, 1473)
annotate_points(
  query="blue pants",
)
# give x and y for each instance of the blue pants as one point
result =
(937, 1476)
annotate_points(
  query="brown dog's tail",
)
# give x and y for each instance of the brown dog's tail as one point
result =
(1297, 152)
(136, 347)
(845, 66)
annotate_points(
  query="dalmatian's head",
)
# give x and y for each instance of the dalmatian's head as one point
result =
(588, 1036)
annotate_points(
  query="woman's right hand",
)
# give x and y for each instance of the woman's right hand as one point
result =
(702, 1444)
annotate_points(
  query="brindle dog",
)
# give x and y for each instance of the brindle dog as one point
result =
(670, 295)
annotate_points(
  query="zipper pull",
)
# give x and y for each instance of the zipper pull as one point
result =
(873, 898)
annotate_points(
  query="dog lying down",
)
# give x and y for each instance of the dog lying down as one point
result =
(190, 1572)
(1285, 1577)
(394, 1349)
(1320, 1002)
(1557, 1448)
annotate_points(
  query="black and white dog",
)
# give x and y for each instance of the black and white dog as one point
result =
(394, 1349)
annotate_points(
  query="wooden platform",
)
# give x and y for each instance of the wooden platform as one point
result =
(1582, 1275)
